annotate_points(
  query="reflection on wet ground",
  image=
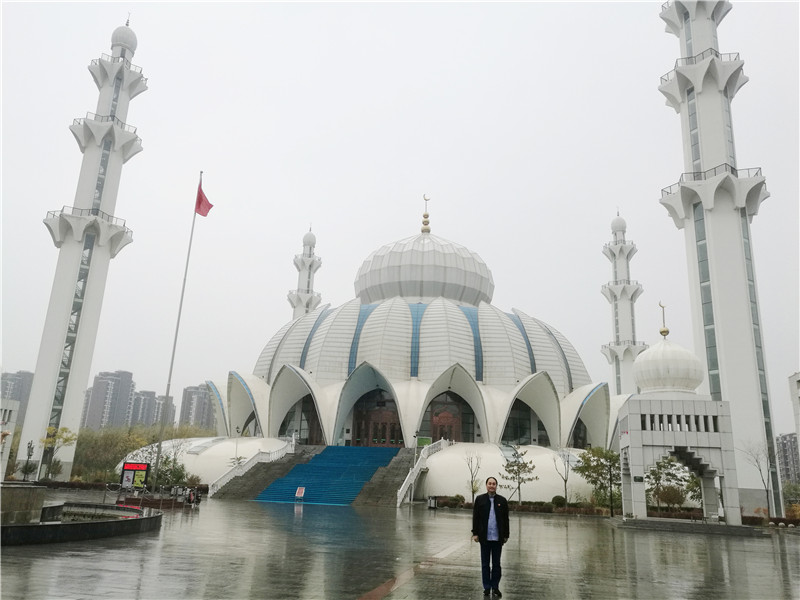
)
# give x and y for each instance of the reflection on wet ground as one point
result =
(236, 549)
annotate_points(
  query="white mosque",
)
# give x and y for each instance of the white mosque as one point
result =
(421, 352)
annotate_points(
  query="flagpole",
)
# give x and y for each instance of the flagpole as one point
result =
(175, 342)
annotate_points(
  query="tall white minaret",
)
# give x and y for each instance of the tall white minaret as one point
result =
(622, 292)
(304, 299)
(88, 236)
(714, 203)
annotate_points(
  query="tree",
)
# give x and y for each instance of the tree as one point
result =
(600, 468)
(563, 463)
(672, 495)
(758, 455)
(667, 471)
(26, 468)
(791, 493)
(473, 460)
(694, 488)
(52, 443)
(518, 471)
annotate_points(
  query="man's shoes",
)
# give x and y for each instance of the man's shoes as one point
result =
(496, 593)
(486, 592)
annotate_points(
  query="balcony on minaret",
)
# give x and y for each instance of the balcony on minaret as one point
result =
(747, 187)
(726, 71)
(95, 128)
(104, 70)
(71, 223)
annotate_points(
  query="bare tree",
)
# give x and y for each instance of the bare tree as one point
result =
(473, 461)
(563, 466)
(758, 455)
(518, 471)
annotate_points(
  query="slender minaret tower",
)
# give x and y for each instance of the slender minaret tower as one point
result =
(304, 299)
(622, 292)
(88, 236)
(714, 203)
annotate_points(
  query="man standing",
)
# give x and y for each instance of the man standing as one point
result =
(490, 528)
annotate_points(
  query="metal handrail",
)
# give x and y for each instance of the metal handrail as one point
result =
(703, 175)
(623, 282)
(115, 59)
(87, 212)
(692, 60)
(259, 457)
(420, 464)
(105, 119)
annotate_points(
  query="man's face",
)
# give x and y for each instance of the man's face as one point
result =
(491, 485)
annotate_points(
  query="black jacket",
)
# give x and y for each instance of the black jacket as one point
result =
(480, 516)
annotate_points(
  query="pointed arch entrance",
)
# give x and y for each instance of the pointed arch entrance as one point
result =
(448, 416)
(303, 420)
(376, 421)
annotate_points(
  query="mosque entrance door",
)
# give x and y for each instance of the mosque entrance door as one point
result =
(303, 419)
(448, 416)
(376, 421)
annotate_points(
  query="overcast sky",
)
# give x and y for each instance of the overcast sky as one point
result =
(527, 124)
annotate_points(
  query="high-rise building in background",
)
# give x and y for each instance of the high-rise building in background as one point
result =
(788, 457)
(17, 387)
(108, 401)
(714, 202)
(142, 410)
(196, 408)
(88, 236)
(164, 408)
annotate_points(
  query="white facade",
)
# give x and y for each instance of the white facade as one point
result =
(622, 292)
(88, 236)
(422, 331)
(713, 203)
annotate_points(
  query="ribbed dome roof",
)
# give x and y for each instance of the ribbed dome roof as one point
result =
(124, 36)
(424, 267)
(667, 366)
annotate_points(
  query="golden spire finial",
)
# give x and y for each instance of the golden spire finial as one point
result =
(663, 331)
(425, 222)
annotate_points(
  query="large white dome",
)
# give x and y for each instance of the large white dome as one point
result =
(424, 267)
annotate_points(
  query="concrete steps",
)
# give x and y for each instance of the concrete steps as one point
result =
(334, 476)
(249, 485)
(381, 490)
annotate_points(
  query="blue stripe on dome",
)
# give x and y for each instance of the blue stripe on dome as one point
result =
(518, 322)
(471, 313)
(364, 311)
(307, 345)
(417, 310)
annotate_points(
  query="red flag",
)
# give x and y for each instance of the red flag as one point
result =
(202, 205)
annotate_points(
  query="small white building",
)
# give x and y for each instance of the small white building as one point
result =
(669, 418)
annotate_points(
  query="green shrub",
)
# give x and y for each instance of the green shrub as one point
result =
(559, 501)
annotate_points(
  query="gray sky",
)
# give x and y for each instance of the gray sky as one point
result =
(527, 124)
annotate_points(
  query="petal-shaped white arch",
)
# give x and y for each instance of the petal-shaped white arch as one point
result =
(219, 400)
(363, 379)
(590, 404)
(615, 403)
(247, 394)
(458, 380)
(539, 393)
(291, 385)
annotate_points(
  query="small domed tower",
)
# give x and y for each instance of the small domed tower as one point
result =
(304, 299)
(622, 292)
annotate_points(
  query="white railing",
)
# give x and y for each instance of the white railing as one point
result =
(411, 478)
(259, 457)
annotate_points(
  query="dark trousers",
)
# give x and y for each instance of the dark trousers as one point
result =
(491, 575)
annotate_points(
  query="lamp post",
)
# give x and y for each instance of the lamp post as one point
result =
(27, 460)
(236, 448)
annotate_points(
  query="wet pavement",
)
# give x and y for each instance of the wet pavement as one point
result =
(237, 549)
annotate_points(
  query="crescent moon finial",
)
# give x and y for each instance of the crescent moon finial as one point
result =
(425, 223)
(664, 331)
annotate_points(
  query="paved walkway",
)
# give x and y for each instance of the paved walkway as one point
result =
(237, 549)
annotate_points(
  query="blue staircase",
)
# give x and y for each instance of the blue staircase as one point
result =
(334, 476)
